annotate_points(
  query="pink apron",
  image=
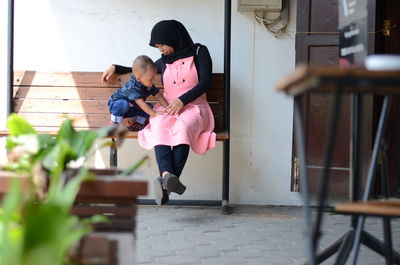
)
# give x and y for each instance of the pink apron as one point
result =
(194, 124)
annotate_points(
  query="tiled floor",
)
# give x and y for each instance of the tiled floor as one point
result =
(250, 235)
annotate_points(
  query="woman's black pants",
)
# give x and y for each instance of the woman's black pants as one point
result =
(171, 158)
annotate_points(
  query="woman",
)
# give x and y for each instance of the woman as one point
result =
(187, 121)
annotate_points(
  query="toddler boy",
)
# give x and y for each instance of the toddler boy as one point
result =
(129, 100)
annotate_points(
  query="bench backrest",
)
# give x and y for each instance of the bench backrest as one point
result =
(45, 99)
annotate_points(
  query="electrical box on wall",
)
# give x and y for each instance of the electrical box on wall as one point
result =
(259, 5)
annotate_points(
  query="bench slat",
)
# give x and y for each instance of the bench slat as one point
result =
(90, 209)
(54, 120)
(221, 136)
(78, 106)
(87, 79)
(57, 92)
(81, 121)
(61, 106)
(86, 93)
(115, 189)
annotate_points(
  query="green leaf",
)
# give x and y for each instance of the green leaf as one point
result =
(44, 254)
(17, 125)
(11, 142)
(10, 238)
(128, 171)
(27, 143)
(23, 165)
(98, 218)
(57, 158)
(66, 131)
(82, 141)
(105, 131)
(77, 230)
(64, 194)
(62, 230)
(46, 140)
(46, 143)
(39, 216)
(13, 198)
(107, 144)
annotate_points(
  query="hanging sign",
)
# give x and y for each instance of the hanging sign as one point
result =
(351, 11)
(353, 32)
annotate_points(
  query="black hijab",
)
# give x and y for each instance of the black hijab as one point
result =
(174, 34)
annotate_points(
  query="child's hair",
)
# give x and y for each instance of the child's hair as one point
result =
(142, 64)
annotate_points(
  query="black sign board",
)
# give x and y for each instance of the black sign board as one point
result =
(353, 32)
(353, 43)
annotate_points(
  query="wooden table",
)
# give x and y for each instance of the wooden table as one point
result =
(326, 79)
(336, 81)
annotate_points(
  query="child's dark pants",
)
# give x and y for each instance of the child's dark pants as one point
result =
(122, 108)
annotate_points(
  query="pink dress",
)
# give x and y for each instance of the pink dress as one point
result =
(194, 124)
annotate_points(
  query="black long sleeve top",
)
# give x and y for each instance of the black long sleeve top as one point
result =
(204, 70)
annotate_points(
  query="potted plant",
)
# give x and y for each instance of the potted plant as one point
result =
(36, 223)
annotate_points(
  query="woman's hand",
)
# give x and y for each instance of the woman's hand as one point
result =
(174, 107)
(159, 112)
(107, 74)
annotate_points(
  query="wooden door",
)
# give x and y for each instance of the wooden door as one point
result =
(388, 12)
(317, 42)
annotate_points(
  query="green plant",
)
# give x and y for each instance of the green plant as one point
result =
(36, 224)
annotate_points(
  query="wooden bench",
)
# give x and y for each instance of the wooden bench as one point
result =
(97, 250)
(113, 197)
(45, 99)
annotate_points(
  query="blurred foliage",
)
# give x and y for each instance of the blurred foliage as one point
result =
(36, 224)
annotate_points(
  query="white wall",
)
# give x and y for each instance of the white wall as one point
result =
(3, 74)
(261, 119)
(89, 35)
(3, 65)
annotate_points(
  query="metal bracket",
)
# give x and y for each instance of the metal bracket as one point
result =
(295, 173)
(386, 28)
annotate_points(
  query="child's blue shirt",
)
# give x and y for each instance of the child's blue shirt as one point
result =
(132, 90)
